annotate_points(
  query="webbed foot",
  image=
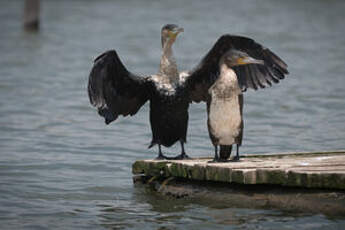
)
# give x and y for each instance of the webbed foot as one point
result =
(236, 158)
(161, 157)
(213, 161)
(182, 156)
(218, 160)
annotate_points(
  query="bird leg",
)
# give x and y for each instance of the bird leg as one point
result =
(183, 154)
(160, 154)
(216, 158)
(237, 157)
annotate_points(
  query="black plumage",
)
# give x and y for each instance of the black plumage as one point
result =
(249, 76)
(116, 91)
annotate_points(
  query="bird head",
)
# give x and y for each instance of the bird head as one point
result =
(236, 57)
(170, 32)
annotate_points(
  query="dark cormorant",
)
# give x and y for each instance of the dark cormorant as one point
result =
(116, 91)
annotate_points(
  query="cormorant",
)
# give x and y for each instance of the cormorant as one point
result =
(225, 105)
(116, 91)
(237, 63)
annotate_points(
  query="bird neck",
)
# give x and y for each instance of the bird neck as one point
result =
(168, 66)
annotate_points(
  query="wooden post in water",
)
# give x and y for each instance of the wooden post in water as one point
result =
(31, 15)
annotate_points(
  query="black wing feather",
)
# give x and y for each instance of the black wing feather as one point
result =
(272, 71)
(249, 76)
(242, 81)
(262, 78)
(114, 90)
(250, 79)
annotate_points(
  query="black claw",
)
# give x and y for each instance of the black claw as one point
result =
(223, 160)
(161, 157)
(160, 154)
(219, 160)
(213, 161)
(236, 158)
(182, 156)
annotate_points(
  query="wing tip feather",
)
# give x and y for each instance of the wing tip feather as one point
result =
(106, 53)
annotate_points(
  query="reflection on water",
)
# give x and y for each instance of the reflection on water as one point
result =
(61, 167)
(154, 211)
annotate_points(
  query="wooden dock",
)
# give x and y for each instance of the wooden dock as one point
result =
(321, 170)
(312, 182)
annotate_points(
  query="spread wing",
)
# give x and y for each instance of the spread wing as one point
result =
(113, 90)
(249, 76)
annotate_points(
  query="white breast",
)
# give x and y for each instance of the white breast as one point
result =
(224, 115)
(183, 76)
(164, 85)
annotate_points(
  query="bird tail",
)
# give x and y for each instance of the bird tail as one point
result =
(225, 152)
(107, 114)
(153, 143)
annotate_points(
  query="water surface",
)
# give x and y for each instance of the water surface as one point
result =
(61, 167)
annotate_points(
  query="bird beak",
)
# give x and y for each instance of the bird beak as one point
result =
(249, 60)
(179, 30)
(173, 33)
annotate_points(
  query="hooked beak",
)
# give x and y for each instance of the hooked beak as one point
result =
(249, 60)
(173, 33)
(179, 30)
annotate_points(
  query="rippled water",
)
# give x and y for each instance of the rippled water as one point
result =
(61, 167)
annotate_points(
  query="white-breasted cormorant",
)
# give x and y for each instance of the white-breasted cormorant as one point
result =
(225, 105)
(238, 63)
(116, 91)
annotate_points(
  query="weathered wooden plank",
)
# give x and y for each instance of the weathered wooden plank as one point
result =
(324, 170)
